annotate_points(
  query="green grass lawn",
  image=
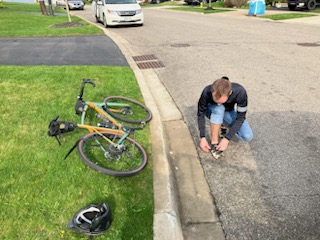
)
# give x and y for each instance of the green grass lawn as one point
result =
(285, 16)
(26, 20)
(167, 3)
(40, 191)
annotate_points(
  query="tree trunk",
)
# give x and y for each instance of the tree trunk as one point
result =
(43, 7)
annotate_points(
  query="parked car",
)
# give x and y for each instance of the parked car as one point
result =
(118, 12)
(73, 4)
(308, 4)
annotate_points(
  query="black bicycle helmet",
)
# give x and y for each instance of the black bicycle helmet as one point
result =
(92, 220)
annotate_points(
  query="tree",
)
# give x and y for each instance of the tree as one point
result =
(43, 7)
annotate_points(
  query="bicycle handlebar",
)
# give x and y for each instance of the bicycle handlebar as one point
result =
(84, 81)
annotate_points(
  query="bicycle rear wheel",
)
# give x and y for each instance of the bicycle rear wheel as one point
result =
(125, 159)
(127, 109)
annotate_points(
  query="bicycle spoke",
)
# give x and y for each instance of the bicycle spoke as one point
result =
(127, 110)
(125, 157)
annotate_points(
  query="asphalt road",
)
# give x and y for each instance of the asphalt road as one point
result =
(268, 189)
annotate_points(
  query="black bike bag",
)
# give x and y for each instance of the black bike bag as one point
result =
(79, 107)
(58, 127)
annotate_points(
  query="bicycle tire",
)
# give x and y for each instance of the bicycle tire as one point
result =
(131, 160)
(140, 113)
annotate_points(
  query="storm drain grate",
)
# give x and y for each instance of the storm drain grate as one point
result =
(144, 58)
(148, 61)
(145, 65)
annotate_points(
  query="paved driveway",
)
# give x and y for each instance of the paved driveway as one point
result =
(78, 50)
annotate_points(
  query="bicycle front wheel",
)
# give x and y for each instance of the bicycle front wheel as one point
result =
(102, 152)
(127, 109)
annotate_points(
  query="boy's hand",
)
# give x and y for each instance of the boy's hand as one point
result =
(223, 145)
(204, 144)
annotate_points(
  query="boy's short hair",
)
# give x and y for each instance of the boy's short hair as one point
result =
(221, 87)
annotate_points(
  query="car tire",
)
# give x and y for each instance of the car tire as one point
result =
(311, 4)
(95, 14)
(105, 21)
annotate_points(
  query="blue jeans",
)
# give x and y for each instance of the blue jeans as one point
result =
(218, 115)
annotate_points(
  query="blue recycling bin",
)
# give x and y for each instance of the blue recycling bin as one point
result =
(257, 7)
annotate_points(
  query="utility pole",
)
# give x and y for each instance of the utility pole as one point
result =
(50, 8)
(68, 11)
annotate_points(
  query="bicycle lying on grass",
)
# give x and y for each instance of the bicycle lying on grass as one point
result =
(108, 148)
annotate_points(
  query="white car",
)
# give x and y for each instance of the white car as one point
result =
(118, 12)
